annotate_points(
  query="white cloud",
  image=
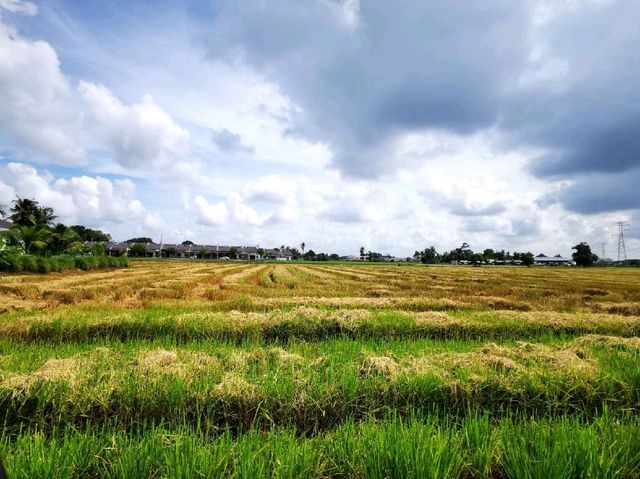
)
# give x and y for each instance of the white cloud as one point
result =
(34, 100)
(19, 6)
(270, 189)
(210, 214)
(139, 135)
(87, 200)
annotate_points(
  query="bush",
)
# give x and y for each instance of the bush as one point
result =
(13, 261)
(10, 259)
(28, 263)
(43, 265)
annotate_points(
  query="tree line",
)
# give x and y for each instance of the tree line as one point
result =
(36, 243)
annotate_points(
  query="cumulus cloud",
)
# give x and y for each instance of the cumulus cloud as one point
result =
(210, 214)
(139, 135)
(34, 99)
(92, 201)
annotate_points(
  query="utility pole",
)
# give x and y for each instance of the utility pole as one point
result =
(604, 254)
(622, 251)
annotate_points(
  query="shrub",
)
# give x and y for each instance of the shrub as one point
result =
(10, 259)
(28, 263)
(43, 265)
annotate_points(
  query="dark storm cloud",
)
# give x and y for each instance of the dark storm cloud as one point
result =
(404, 66)
(568, 85)
(598, 193)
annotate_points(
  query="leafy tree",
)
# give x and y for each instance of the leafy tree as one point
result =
(583, 255)
(310, 255)
(429, 255)
(88, 234)
(361, 252)
(63, 239)
(489, 254)
(27, 212)
(202, 252)
(233, 252)
(138, 249)
(97, 250)
(170, 251)
(32, 239)
(142, 239)
(188, 243)
(295, 253)
(527, 258)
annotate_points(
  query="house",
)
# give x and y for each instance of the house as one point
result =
(279, 254)
(187, 251)
(557, 260)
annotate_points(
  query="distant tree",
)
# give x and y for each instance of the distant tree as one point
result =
(188, 243)
(142, 239)
(88, 234)
(97, 250)
(295, 253)
(233, 252)
(26, 212)
(202, 252)
(138, 249)
(361, 252)
(489, 254)
(583, 255)
(429, 255)
(527, 258)
(334, 257)
(310, 255)
(171, 251)
(322, 257)
(302, 247)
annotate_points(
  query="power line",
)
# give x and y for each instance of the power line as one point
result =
(622, 250)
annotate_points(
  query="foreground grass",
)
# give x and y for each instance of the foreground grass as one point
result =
(313, 387)
(202, 369)
(474, 447)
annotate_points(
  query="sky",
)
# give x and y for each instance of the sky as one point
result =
(339, 123)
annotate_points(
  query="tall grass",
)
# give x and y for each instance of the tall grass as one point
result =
(392, 448)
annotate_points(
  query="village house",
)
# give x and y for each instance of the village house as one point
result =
(192, 251)
(557, 260)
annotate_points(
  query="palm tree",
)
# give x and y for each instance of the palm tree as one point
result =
(31, 238)
(26, 212)
(302, 247)
(361, 252)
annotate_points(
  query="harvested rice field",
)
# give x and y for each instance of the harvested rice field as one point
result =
(181, 369)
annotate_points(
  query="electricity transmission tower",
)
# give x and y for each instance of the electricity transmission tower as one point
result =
(622, 251)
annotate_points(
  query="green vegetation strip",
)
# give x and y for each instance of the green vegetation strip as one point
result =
(305, 323)
(313, 387)
(474, 447)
